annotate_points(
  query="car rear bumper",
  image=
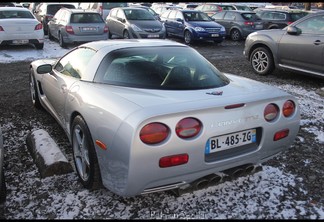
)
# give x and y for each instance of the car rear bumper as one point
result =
(76, 38)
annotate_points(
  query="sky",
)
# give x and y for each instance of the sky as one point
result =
(263, 195)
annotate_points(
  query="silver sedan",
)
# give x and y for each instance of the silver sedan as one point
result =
(151, 115)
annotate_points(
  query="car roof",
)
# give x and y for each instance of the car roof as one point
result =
(125, 43)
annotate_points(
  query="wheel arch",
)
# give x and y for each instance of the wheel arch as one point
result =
(257, 45)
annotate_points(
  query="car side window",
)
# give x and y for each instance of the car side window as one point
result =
(172, 14)
(314, 25)
(229, 16)
(75, 63)
(279, 16)
(218, 15)
(120, 14)
(179, 15)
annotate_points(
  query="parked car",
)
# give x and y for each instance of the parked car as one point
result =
(18, 26)
(3, 188)
(242, 7)
(103, 8)
(162, 8)
(278, 19)
(297, 47)
(7, 4)
(156, 15)
(77, 26)
(209, 8)
(238, 24)
(150, 115)
(192, 25)
(134, 22)
(45, 11)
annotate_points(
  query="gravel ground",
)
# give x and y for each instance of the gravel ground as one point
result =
(304, 159)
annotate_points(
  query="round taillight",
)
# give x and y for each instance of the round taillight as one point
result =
(271, 112)
(288, 108)
(154, 133)
(188, 127)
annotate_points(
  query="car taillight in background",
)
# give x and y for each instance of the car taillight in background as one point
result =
(39, 26)
(69, 30)
(247, 23)
(106, 29)
(188, 127)
(48, 17)
(154, 133)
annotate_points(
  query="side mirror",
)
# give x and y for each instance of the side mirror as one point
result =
(292, 30)
(43, 69)
(179, 20)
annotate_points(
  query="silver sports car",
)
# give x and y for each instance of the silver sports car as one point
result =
(151, 115)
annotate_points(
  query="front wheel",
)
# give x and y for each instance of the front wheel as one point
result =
(187, 37)
(84, 155)
(262, 61)
(33, 91)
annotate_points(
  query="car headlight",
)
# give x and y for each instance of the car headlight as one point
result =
(199, 29)
(222, 29)
(136, 28)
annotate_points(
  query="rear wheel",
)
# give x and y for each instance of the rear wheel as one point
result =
(187, 37)
(126, 34)
(33, 90)
(236, 35)
(84, 155)
(262, 61)
(61, 41)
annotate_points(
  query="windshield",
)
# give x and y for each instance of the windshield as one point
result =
(138, 14)
(15, 14)
(196, 16)
(173, 68)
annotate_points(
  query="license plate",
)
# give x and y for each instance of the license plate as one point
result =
(224, 142)
(152, 36)
(214, 35)
(21, 41)
(87, 29)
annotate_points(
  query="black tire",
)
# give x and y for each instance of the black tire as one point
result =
(236, 35)
(33, 91)
(261, 60)
(50, 37)
(39, 45)
(126, 35)
(109, 35)
(3, 188)
(187, 37)
(61, 41)
(84, 155)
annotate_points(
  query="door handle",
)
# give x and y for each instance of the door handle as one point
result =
(318, 42)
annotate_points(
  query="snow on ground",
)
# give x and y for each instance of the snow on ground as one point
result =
(262, 195)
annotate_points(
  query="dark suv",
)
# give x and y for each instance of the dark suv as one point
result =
(278, 19)
(44, 12)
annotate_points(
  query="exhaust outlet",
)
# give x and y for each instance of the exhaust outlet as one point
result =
(214, 179)
(201, 184)
(249, 169)
(238, 172)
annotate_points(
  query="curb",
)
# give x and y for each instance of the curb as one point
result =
(46, 154)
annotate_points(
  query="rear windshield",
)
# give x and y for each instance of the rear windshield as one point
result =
(86, 18)
(16, 14)
(165, 68)
(250, 16)
(110, 5)
(296, 16)
(52, 9)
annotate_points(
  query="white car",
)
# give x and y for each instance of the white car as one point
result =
(18, 26)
